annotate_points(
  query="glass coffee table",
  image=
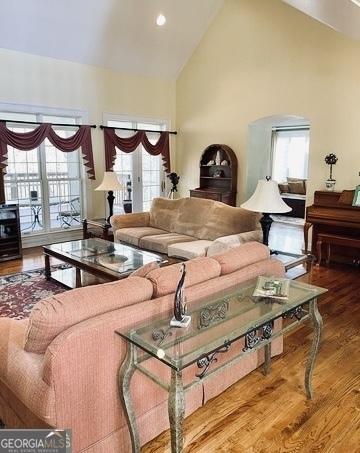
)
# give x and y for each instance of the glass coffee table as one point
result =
(217, 323)
(95, 260)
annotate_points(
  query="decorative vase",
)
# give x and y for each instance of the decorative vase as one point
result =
(218, 158)
(330, 184)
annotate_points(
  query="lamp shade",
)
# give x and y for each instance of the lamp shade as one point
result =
(266, 199)
(110, 182)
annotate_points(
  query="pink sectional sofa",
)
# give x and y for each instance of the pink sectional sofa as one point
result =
(59, 367)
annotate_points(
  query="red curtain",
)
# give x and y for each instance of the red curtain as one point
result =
(30, 140)
(128, 145)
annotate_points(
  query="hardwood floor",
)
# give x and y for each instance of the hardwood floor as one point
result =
(271, 414)
(32, 259)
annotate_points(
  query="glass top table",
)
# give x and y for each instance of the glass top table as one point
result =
(217, 322)
(101, 258)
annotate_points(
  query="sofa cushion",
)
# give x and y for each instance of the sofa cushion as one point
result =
(55, 314)
(165, 279)
(189, 250)
(201, 218)
(241, 256)
(160, 243)
(164, 213)
(208, 219)
(225, 243)
(135, 219)
(133, 235)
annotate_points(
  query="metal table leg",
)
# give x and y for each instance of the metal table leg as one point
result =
(125, 374)
(317, 323)
(267, 361)
(176, 408)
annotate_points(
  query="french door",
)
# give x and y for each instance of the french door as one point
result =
(45, 182)
(141, 174)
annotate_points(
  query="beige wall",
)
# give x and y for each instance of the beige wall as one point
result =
(261, 58)
(39, 81)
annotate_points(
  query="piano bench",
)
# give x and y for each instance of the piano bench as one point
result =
(333, 239)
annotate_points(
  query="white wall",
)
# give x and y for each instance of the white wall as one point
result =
(261, 58)
(40, 81)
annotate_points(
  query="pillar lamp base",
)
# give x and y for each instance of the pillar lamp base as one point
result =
(265, 223)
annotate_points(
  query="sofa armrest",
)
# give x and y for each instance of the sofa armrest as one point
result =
(82, 364)
(225, 243)
(137, 219)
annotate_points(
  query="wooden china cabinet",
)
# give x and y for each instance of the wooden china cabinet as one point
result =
(218, 175)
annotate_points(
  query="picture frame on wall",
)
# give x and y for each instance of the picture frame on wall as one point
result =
(356, 200)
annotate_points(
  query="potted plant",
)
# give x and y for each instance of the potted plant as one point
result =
(331, 160)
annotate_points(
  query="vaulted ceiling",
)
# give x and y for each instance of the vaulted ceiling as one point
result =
(122, 34)
(117, 34)
(341, 15)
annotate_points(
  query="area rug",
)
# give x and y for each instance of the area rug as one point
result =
(20, 292)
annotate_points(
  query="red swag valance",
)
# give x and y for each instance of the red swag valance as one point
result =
(129, 144)
(31, 140)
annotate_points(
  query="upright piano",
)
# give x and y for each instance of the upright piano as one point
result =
(333, 213)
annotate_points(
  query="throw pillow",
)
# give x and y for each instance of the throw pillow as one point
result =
(284, 188)
(145, 269)
(297, 188)
(303, 181)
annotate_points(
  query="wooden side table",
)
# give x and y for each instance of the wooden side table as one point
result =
(97, 228)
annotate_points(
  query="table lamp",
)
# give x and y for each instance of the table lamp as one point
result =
(266, 199)
(110, 183)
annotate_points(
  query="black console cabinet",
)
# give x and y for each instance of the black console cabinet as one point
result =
(10, 235)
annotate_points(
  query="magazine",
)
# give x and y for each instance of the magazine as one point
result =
(275, 288)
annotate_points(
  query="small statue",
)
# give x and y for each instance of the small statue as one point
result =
(180, 318)
(218, 158)
(174, 179)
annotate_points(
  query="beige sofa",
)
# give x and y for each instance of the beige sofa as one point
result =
(187, 228)
(59, 368)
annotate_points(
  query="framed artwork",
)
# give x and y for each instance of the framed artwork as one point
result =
(356, 200)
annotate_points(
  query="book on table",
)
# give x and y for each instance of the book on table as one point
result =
(272, 287)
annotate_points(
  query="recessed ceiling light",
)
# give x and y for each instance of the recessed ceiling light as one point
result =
(356, 2)
(161, 20)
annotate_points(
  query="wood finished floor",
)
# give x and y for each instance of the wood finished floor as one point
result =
(271, 414)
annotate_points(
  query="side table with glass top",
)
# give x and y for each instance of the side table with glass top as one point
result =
(216, 323)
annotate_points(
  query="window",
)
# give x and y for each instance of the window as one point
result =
(45, 182)
(141, 174)
(290, 154)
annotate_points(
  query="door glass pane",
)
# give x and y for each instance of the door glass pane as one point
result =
(124, 168)
(22, 183)
(63, 184)
(151, 177)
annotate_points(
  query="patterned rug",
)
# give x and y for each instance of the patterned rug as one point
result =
(19, 292)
